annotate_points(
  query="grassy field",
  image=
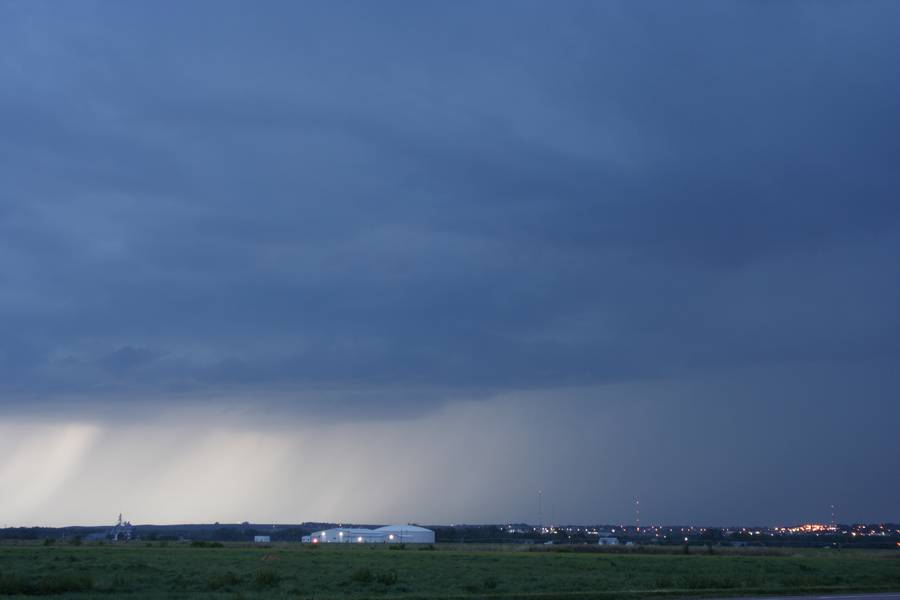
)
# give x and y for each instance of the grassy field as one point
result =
(292, 571)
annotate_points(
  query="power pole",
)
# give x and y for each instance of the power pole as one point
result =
(541, 511)
(552, 513)
(637, 514)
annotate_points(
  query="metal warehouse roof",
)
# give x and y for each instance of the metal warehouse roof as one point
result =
(402, 528)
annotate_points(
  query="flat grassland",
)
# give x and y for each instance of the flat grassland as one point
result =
(137, 570)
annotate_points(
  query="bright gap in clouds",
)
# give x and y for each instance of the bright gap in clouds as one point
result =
(183, 467)
(39, 462)
(590, 449)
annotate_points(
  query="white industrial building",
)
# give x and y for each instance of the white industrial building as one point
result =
(609, 541)
(389, 534)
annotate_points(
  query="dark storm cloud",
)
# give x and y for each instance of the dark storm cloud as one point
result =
(457, 197)
(610, 249)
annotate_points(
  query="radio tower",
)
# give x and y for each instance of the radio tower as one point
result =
(833, 520)
(637, 514)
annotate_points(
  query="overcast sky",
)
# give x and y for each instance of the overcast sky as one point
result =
(415, 261)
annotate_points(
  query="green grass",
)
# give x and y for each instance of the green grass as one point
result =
(292, 571)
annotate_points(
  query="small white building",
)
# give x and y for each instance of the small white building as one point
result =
(261, 539)
(608, 541)
(389, 534)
